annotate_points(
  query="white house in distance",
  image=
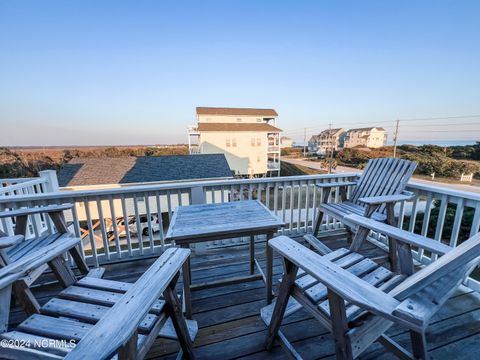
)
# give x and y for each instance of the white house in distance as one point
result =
(286, 142)
(247, 137)
(326, 141)
(372, 137)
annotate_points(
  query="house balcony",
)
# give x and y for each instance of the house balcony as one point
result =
(273, 148)
(228, 317)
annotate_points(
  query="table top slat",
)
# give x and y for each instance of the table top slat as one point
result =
(224, 219)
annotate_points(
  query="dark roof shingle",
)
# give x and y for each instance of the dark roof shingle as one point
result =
(235, 111)
(130, 169)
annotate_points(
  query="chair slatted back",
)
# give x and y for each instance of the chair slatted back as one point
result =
(383, 176)
(465, 255)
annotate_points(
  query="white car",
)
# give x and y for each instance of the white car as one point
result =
(132, 226)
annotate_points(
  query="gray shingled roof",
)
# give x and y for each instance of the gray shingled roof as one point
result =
(130, 169)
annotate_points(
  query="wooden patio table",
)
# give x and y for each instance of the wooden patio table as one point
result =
(206, 222)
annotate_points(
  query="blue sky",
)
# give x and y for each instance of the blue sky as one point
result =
(132, 72)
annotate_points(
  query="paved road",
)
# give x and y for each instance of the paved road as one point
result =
(345, 169)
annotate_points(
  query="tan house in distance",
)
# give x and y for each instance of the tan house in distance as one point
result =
(373, 137)
(247, 137)
(286, 142)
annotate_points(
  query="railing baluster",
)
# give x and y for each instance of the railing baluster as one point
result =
(267, 195)
(475, 221)
(90, 233)
(291, 206)
(160, 221)
(440, 221)
(457, 223)
(76, 228)
(426, 220)
(137, 223)
(299, 206)
(149, 221)
(307, 204)
(126, 224)
(115, 227)
(101, 219)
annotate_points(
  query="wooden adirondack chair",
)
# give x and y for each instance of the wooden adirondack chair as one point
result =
(95, 318)
(374, 195)
(358, 300)
(14, 248)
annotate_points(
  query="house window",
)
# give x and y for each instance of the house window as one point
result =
(234, 142)
(228, 142)
(259, 142)
(253, 141)
(258, 159)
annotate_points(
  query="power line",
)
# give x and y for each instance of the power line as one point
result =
(442, 118)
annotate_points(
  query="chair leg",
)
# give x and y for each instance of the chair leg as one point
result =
(281, 303)
(25, 297)
(318, 222)
(419, 345)
(175, 312)
(338, 316)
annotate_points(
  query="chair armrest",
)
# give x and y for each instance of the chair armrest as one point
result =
(336, 184)
(121, 321)
(336, 279)
(378, 200)
(20, 268)
(35, 210)
(401, 235)
(7, 241)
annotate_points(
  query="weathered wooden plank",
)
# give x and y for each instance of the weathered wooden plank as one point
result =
(101, 297)
(90, 313)
(57, 328)
(121, 321)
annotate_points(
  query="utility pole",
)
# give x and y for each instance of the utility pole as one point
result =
(304, 142)
(395, 138)
(330, 156)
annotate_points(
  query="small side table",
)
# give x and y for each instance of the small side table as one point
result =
(206, 222)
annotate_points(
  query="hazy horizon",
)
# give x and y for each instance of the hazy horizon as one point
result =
(131, 72)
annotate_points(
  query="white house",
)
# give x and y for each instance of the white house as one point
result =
(247, 137)
(327, 140)
(372, 137)
(286, 142)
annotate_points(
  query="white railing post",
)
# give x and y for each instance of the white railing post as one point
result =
(197, 195)
(51, 180)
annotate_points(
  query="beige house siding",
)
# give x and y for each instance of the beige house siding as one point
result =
(373, 138)
(246, 152)
(246, 147)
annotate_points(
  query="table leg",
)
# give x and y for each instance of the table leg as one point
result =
(269, 269)
(252, 254)
(186, 287)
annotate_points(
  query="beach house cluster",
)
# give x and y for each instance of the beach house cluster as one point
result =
(335, 139)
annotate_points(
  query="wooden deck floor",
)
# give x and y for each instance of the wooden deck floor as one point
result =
(230, 325)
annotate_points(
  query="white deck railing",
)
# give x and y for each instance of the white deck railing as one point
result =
(97, 216)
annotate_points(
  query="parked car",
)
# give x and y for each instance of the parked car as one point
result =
(132, 226)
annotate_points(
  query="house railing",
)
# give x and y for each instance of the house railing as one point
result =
(450, 216)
